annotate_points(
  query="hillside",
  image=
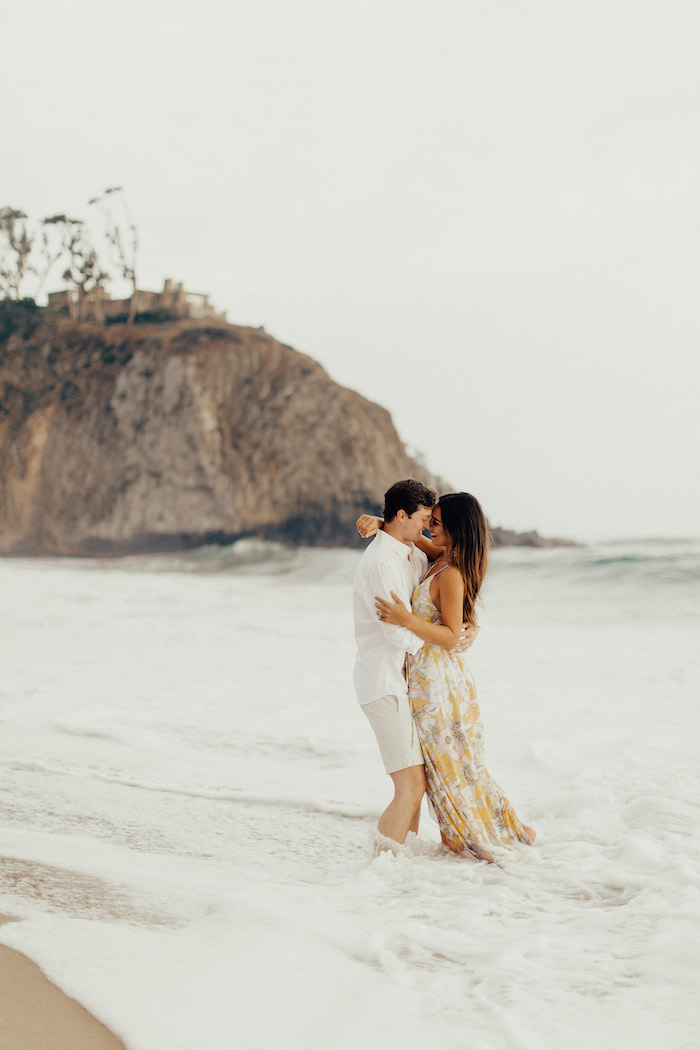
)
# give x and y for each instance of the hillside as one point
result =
(154, 437)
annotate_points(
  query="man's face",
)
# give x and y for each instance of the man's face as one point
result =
(416, 523)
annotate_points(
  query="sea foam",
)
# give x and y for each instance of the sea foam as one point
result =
(189, 788)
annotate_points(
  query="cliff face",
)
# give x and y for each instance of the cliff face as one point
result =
(119, 439)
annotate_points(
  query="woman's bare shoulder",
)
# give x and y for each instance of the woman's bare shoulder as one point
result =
(450, 578)
(452, 572)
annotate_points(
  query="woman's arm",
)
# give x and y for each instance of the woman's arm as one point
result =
(451, 598)
(429, 548)
(368, 525)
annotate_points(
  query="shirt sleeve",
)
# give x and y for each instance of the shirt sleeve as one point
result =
(381, 581)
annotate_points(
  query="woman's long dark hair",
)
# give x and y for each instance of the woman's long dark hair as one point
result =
(467, 536)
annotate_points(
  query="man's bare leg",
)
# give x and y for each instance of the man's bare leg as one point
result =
(403, 812)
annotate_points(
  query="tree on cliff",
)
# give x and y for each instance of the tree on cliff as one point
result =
(84, 270)
(56, 234)
(122, 237)
(90, 257)
(16, 243)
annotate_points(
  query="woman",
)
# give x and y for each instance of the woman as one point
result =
(471, 810)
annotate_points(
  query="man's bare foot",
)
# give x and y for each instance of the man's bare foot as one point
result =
(379, 843)
(531, 834)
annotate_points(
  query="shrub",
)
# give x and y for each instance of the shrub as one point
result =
(144, 317)
(18, 315)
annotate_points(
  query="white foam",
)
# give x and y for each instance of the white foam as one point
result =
(189, 788)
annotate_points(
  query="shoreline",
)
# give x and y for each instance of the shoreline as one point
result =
(34, 1012)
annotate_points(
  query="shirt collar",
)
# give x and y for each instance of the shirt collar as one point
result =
(402, 549)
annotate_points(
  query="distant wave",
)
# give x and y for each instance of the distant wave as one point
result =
(658, 560)
(248, 557)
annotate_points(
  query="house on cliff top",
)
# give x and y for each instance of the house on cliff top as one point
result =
(98, 306)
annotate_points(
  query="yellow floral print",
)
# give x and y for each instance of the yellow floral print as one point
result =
(472, 812)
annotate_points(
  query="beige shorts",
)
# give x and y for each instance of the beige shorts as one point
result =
(391, 719)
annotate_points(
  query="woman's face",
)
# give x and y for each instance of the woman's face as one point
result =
(437, 533)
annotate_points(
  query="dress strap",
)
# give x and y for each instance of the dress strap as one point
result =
(431, 576)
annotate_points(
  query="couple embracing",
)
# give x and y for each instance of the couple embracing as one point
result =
(414, 610)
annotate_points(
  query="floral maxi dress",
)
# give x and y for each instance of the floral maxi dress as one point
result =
(472, 812)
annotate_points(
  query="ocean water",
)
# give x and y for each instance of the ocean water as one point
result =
(189, 788)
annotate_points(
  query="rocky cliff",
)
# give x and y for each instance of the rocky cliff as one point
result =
(157, 437)
(154, 437)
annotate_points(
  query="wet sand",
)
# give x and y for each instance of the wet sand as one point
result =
(36, 1015)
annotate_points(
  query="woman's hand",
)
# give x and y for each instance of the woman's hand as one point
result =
(394, 613)
(367, 525)
(467, 638)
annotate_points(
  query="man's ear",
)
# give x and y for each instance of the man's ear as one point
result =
(401, 516)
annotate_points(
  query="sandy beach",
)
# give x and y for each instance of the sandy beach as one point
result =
(35, 1013)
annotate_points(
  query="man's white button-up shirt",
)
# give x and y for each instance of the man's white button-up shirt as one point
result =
(387, 565)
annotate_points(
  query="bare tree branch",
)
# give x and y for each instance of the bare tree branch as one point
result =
(84, 270)
(122, 236)
(55, 235)
(16, 243)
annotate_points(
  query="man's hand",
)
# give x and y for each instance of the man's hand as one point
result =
(367, 525)
(467, 639)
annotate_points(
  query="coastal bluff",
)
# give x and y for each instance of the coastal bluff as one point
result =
(154, 437)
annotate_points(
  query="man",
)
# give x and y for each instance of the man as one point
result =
(392, 562)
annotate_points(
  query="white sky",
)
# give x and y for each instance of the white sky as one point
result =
(483, 215)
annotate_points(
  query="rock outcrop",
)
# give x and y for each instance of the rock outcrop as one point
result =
(156, 437)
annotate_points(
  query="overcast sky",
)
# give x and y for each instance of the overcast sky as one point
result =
(484, 216)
